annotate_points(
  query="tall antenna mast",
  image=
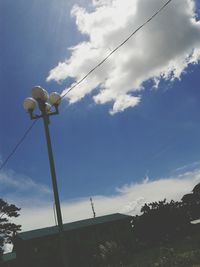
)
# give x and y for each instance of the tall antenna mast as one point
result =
(92, 205)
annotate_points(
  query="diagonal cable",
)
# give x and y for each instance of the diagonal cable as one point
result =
(84, 77)
(17, 145)
(116, 48)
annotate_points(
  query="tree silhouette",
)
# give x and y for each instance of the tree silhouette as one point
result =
(160, 221)
(7, 228)
(191, 203)
(163, 221)
(196, 189)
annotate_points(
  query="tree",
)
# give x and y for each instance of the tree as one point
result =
(7, 228)
(196, 189)
(191, 203)
(160, 222)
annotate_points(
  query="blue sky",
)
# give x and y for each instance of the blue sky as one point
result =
(95, 151)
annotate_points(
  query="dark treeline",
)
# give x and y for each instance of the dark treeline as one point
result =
(159, 224)
(164, 221)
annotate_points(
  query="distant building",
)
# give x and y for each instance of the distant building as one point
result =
(39, 248)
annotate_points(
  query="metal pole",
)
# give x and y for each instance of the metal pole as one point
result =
(55, 189)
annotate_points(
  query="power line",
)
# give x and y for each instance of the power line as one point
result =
(82, 79)
(116, 48)
(17, 145)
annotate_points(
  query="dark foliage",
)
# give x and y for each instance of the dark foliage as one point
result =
(191, 203)
(196, 189)
(164, 221)
(160, 222)
(7, 228)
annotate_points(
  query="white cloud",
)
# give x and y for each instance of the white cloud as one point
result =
(161, 50)
(127, 199)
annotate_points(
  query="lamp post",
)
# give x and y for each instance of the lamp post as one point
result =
(45, 103)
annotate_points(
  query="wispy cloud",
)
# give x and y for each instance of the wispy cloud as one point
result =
(127, 199)
(188, 167)
(161, 50)
(19, 188)
(36, 201)
(38, 211)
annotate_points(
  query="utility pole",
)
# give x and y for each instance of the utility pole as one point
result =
(45, 104)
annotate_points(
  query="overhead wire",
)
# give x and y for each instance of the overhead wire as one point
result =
(83, 78)
(17, 145)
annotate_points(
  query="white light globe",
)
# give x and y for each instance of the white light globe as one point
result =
(55, 99)
(39, 93)
(46, 95)
(47, 107)
(29, 104)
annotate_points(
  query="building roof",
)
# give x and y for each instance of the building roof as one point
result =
(72, 226)
(9, 256)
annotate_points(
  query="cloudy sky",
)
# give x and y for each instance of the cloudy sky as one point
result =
(129, 134)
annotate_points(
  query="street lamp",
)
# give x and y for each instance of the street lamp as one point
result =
(46, 103)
